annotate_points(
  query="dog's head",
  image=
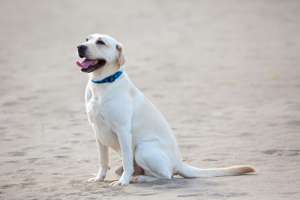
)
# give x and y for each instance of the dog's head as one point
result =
(99, 52)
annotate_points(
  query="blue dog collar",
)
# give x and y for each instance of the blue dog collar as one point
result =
(109, 79)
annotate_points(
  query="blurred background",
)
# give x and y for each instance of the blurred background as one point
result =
(225, 74)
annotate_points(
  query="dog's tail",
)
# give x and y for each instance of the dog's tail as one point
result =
(188, 171)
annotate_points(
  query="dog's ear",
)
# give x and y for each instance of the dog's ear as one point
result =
(120, 58)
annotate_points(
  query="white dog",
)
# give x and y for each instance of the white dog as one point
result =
(125, 120)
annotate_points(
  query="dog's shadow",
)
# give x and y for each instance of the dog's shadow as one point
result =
(177, 186)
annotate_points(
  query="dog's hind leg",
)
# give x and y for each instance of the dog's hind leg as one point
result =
(119, 171)
(137, 170)
(155, 163)
(144, 179)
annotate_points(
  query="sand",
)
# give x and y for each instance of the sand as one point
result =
(225, 74)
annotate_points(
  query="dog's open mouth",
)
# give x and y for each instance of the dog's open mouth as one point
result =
(88, 65)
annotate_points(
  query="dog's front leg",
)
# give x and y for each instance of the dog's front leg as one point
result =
(104, 161)
(125, 141)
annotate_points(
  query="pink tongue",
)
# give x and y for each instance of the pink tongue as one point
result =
(86, 63)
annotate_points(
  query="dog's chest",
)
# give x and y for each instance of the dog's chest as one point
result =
(101, 126)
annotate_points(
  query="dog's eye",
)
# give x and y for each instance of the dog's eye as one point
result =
(100, 42)
(87, 39)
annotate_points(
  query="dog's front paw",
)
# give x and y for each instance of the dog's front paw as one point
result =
(96, 179)
(121, 182)
(118, 183)
(100, 175)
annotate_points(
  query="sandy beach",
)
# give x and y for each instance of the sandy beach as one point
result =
(226, 74)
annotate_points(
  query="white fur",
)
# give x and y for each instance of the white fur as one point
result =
(125, 120)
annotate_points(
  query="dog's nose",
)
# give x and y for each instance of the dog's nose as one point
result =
(81, 50)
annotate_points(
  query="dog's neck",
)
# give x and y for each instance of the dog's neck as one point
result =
(103, 72)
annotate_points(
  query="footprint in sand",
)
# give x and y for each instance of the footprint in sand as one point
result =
(293, 123)
(189, 195)
(9, 103)
(16, 153)
(61, 157)
(6, 186)
(33, 160)
(282, 152)
(229, 195)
